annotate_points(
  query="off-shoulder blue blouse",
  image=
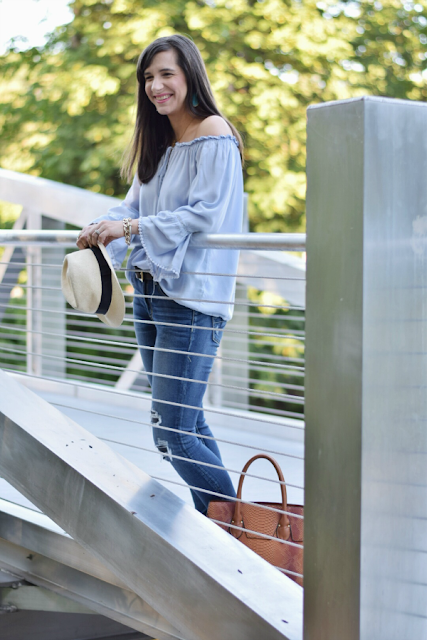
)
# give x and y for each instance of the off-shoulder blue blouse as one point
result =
(198, 187)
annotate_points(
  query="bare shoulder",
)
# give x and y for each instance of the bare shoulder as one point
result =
(214, 126)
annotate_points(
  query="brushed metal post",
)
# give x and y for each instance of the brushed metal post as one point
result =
(366, 356)
(34, 279)
(46, 345)
(225, 371)
(54, 326)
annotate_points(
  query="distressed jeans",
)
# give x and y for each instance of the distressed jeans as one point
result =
(174, 342)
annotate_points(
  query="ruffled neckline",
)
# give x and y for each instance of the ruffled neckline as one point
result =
(229, 136)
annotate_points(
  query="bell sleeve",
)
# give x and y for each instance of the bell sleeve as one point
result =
(129, 208)
(166, 236)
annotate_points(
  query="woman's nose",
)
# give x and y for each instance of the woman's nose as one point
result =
(156, 84)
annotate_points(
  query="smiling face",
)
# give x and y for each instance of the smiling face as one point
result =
(165, 84)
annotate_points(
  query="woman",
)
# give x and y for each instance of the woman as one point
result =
(188, 180)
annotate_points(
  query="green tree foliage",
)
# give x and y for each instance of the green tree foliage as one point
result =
(67, 109)
(277, 342)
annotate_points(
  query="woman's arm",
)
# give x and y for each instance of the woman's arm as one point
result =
(109, 227)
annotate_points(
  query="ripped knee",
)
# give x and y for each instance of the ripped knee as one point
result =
(159, 440)
(163, 447)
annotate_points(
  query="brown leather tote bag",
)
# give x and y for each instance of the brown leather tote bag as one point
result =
(254, 520)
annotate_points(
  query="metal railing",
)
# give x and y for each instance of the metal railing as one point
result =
(264, 342)
(244, 241)
(258, 374)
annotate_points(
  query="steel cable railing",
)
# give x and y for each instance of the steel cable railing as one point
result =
(259, 368)
(107, 363)
(269, 357)
(194, 435)
(270, 360)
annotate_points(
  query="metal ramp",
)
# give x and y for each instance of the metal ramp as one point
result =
(197, 580)
(33, 548)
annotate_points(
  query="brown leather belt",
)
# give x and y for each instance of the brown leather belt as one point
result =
(143, 276)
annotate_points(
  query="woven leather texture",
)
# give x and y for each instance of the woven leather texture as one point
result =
(256, 520)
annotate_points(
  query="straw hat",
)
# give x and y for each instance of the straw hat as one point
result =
(89, 284)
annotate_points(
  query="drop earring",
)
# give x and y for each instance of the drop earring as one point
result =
(195, 100)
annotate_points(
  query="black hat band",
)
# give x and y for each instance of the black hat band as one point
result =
(106, 281)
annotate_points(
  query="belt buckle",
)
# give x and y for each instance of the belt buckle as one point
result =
(144, 276)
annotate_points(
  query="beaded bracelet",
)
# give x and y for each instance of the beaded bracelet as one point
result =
(127, 227)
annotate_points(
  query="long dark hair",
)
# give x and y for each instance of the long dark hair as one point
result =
(153, 132)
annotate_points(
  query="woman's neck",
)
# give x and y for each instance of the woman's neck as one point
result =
(183, 126)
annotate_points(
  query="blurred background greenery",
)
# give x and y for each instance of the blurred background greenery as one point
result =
(67, 107)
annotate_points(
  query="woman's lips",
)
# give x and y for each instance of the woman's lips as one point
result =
(162, 98)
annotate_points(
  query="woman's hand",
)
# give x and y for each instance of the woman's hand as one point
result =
(103, 232)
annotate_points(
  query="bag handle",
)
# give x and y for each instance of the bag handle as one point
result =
(283, 530)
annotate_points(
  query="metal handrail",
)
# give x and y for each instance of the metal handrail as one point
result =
(241, 241)
(235, 381)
